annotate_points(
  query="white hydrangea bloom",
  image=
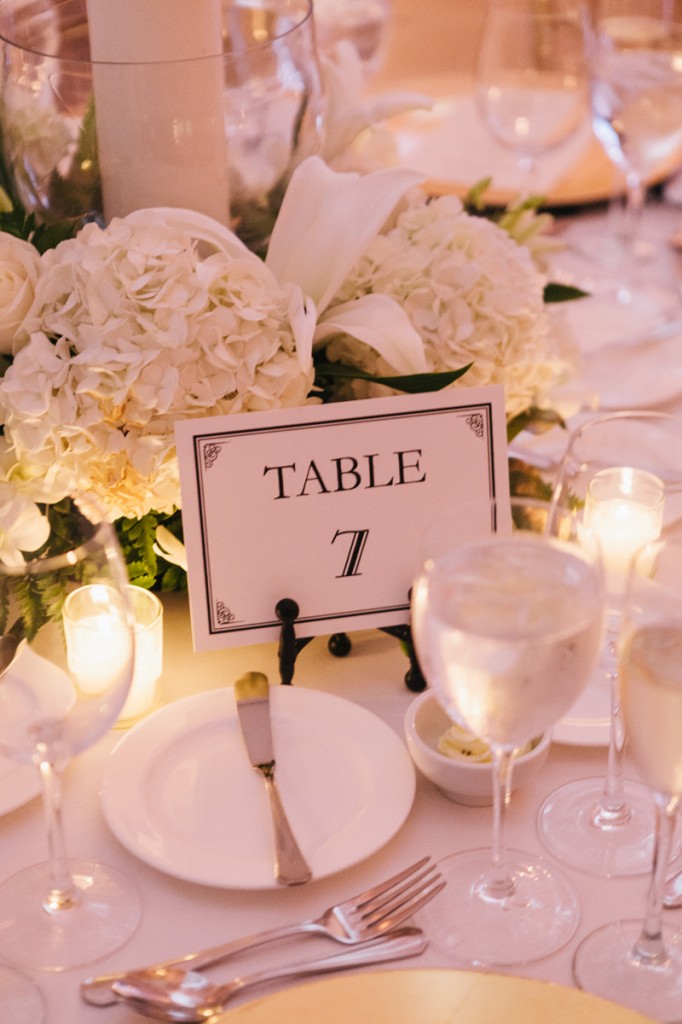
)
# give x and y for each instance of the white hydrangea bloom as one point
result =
(472, 293)
(131, 330)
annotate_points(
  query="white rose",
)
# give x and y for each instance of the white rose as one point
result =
(19, 265)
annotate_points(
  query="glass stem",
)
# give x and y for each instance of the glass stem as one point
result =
(62, 893)
(498, 883)
(649, 950)
(612, 810)
(632, 221)
(527, 165)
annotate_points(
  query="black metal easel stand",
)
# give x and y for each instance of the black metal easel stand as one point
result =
(338, 645)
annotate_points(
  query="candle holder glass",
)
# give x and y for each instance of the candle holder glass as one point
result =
(147, 613)
(87, 136)
(623, 473)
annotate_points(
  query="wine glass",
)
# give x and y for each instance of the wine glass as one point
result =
(639, 963)
(69, 604)
(623, 473)
(636, 97)
(507, 629)
(531, 76)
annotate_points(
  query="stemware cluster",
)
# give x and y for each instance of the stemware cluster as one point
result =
(543, 70)
(584, 589)
(636, 100)
(639, 963)
(532, 82)
(624, 471)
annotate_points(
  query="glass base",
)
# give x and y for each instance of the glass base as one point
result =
(474, 930)
(20, 999)
(101, 920)
(566, 824)
(603, 964)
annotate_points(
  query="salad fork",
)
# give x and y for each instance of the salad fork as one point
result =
(359, 919)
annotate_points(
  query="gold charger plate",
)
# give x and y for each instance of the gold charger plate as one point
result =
(591, 180)
(437, 996)
(589, 177)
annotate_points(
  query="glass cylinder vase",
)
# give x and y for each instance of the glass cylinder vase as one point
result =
(107, 108)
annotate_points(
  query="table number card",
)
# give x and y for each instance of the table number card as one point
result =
(327, 505)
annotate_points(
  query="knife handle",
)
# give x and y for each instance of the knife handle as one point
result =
(291, 867)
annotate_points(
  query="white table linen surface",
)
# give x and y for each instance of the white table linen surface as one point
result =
(179, 917)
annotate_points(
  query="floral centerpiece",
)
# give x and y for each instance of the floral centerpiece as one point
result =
(111, 333)
(368, 286)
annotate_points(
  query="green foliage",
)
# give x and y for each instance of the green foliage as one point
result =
(254, 220)
(555, 292)
(412, 384)
(42, 236)
(526, 481)
(475, 202)
(80, 190)
(40, 599)
(4, 604)
(535, 421)
(146, 568)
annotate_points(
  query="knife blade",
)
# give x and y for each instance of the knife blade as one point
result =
(252, 695)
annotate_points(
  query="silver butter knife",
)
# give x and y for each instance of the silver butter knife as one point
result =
(252, 693)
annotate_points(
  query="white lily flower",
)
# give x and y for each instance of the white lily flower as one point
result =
(379, 322)
(169, 547)
(23, 527)
(350, 111)
(196, 225)
(325, 223)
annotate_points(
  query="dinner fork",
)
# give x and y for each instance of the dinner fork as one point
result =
(359, 919)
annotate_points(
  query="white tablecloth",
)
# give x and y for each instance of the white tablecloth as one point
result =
(179, 916)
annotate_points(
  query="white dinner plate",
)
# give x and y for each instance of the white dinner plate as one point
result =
(19, 782)
(436, 996)
(180, 793)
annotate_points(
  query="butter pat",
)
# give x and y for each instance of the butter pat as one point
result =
(461, 745)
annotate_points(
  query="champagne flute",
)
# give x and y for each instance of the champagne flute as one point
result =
(636, 90)
(531, 76)
(66, 687)
(623, 474)
(637, 94)
(639, 963)
(507, 629)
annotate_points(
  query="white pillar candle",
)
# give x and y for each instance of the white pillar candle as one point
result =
(99, 644)
(159, 105)
(624, 507)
